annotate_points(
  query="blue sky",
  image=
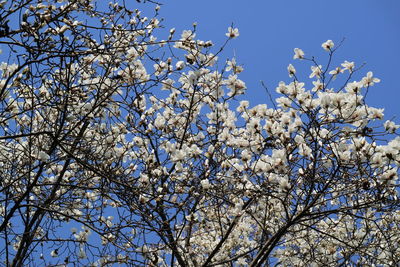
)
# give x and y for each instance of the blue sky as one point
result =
(269, 30)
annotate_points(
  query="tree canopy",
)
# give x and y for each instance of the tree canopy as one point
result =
(121, 145)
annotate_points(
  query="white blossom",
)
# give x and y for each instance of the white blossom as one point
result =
(205, 184)
(298, 53)
(316, 71)
(82, 253)
(390, 126)
(328, 45)
(291, 70)
(43, 156)
(348, 66)
(232, 32)
(54, 253)
(369, 80)
(180, 65)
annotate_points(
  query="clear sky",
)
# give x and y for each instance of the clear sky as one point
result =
(269, 30)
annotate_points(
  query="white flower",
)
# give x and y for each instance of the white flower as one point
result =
(205, 184)
(353, 87)
(159, 121)
(291, 70)
(299, 139)
(178, 155)
(284, 184)
(390, 174)
(43, 156)
(284, 102)
(305, 150)
(328, 45)
(83, 236)
(316, 71)
(336, 71)
(231, 65)
(54, 253)
(241, 262)
(298, 53)
(369, 80)
(390, 126)
(82, 253)
(131, 53)
(325, 100)
(242, 106)
(375, 113)
(232, 32)
(180, 65)
(237, 86)
(109, 139)
(318, 85)
(62, 29)
(348, 66)
(187, 35)
(167, 84)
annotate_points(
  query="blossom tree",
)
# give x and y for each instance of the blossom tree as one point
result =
(117, 147)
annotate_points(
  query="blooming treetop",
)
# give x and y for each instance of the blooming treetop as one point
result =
(141, 146)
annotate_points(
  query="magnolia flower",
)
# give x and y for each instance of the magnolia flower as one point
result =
(336, 71)
(284, 102)
(43, 156)
(375, 113)
(328, 45)
(231, 65)
(62, 29)
(299, 139)
(353, 87)
(348, 66)
(54, 253)
(282, 88)
(369, 80)
(390, 174)
(237, 86)
(167, 84)
(291, 70)
(298, 53)
(205, 184)
(284, 184)
(83, 236)
(82, 253)
(316, 71)
(244, 104)
(180, 65)
(390, 126)
(305, 150)
(232, 32)
(241, 262)
(159, 122)
(187, 35)
(318, 85)
(325, 100)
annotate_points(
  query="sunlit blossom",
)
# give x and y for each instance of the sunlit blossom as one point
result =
(298, 53)
(328, 45)
(232, 32)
